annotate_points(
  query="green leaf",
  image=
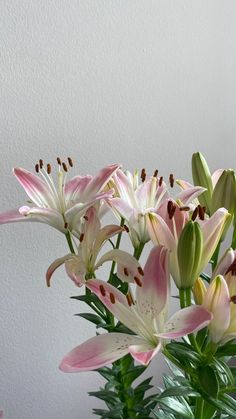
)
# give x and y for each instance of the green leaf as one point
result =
(130, 376)
(178, 391)
(177, 407)
(93, 318)
(206, 277)
(229, 349)
(224, 372)
(208, 380)
(224, 405)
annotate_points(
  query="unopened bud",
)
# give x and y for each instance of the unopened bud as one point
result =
(189, 253)
(199, 291)
(202, 177)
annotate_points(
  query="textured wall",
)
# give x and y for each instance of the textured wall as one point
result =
(140, 82)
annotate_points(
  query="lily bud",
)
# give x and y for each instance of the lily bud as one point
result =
(189, 253)
(199, 291)
(202, 177)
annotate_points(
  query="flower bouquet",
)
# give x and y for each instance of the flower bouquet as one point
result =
(129, 307)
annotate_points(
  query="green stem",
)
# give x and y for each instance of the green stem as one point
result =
(123, 394)
(185, 301)
(215, 256)
(199, 408)
(167, 354)
(117, 245)
(138, 251)
(233, 243)
(69, 241)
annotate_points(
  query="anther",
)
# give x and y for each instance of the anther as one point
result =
(64, 166)
(40, 163)
(70, 161)
(112, 298)
(169, 206)
(201, 212)
(126, 272)
(184, 208)
(126, 228)
(171, 180)
(160, 181)
(85, 217)
(66, 225)
(155, 173)
(102, 289)
(49, 169)
(59, 161)
(172, 212)
(81, 237)
(195, 214)
(233, 299)
(143, 175)
(138, 281)
(140, 271)
(129, 301)
(37, 168)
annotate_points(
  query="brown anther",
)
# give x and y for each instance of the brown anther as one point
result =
(112, 298)
(195, 214)
(70, 161)
(85, 217)
(140, 270)
(184, 208)
(126, 228)
(171, 180)
(160, 181)
(201, 212)
(155, 173)
(40, 163)
(81, 237)
(66, 225)
(102, 289)
(126, 272)
(172, 212)
(138, 281)
(143, 175)
(37, 168)
(59, 161)
(129, 301)
(64, 167)
(233, 299)
(49, 169)
(169, 206)
(204, 209)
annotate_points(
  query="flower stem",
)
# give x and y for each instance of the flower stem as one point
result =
(199, 408)
(185, 301)
(69, 241)
(117, 245)
(138, 251)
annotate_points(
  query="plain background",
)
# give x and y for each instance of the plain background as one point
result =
(140, 82)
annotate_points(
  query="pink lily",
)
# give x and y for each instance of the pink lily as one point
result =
(62, 205)
(165, 229)
(87, 261)
(146, 317)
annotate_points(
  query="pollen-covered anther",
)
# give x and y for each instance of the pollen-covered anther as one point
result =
(138, 281)
(81, 237)
(64, 166)
(49, 169)
(171, 208)
(112, 298)
(129, 300)
(126, 228)
(70, 161)
(155, 173)
(59, 161)
(140, 271)
(143, 175)
(186, 208)
(171, 180)
(195, 214)
(37, 168)
(233, 299)
(201, 212)
(66, 225)
(102, 290)
(40, 163)
(160, 181)
(85, 217)
(126, 272)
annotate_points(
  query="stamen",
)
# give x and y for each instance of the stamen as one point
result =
(155, 173)
(85, 217)
(138, 281)
(126, 272)
(126, 228)
(184, 208)
(49, 169)
(171, 180)
(169, 206)
(59, 161)
(66, 225)
(64, 167)
(129, 301)
(70, 161)
(172, 212)
(81, 237)
(195, 214)
(140, 271)
(201, 212)
(40, 163)
(143, 175)
(233, 299)
(102, 289)
(112, 298)
(160, 181)
(37, 168)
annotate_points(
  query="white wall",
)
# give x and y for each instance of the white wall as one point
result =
(142, 82)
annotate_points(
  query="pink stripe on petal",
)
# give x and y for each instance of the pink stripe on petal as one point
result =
(188, 195)
(160, 232)
(144, 353)
(12, 216)
(36, 188)
(98, 351)
(54, 265)
(185, 321)
(99, 181)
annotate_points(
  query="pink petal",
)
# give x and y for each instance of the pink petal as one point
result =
(216, 176)
(13, 216)
(128, 268)
(99, 181)
(122, 207)
(153, 295)
(185, 321)
(76, 270)
(177, 222)
(98, 351)
(144, 353)
(75, 187)
(125, 187)
(224, 263)
(188, 195)
(54, 265)
(36, 188)
(159, 231)
(105, 234)
(44, 215)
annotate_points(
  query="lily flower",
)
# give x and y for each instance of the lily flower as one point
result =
(92, 238)
(60, 205)
(166, 230)
(146, 317)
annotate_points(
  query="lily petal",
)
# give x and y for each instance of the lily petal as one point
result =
(12, 216)
(54, 265)
(224, 263)
(76, 186)
(216, 176)
(185, 321)
(144, 353)
(160, 232)
(188, 195)
(44, 215)
(99, 181)
(98, 351)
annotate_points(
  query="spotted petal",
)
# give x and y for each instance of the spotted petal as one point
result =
(144, 353)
